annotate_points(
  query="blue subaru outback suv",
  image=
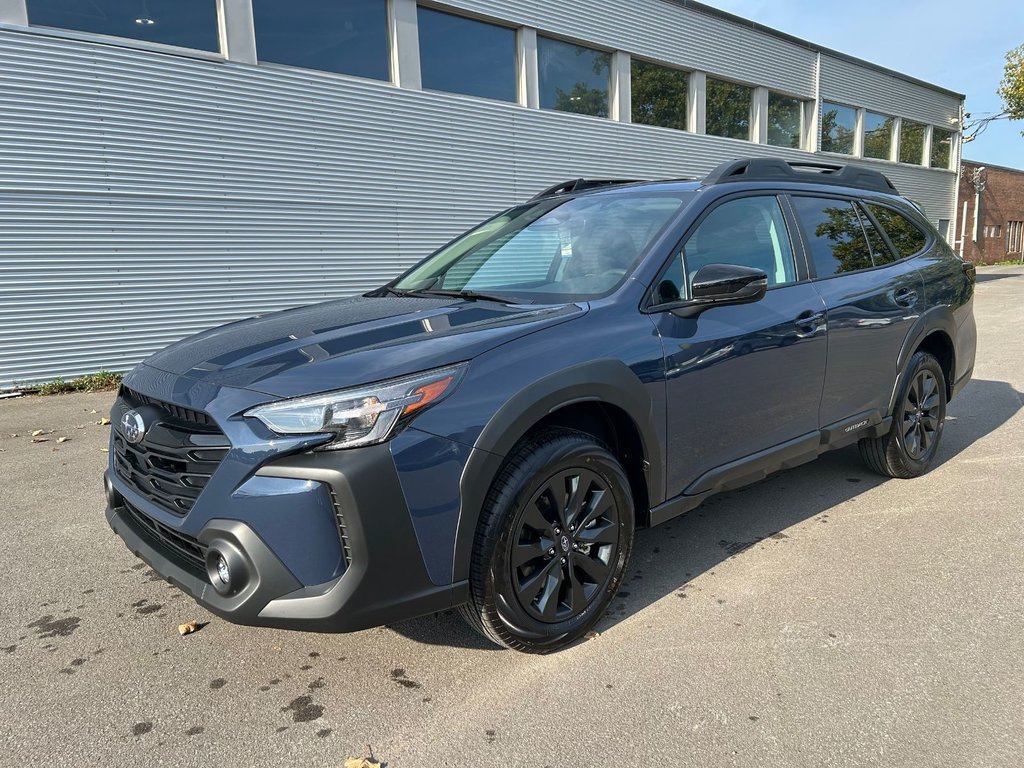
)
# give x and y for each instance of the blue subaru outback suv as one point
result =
(488, 430)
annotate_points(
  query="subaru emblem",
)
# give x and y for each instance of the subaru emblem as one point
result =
(133, 427)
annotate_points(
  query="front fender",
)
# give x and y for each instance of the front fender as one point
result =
(607, 381)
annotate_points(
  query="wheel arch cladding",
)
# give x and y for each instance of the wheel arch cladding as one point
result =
(934, 330)
(575, 394)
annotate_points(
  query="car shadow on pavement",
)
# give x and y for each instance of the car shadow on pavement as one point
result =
(984, 277)
(667, 558)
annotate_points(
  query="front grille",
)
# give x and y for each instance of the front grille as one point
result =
(184, 549)
(179, 453)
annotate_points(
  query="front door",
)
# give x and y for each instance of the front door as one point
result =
(746, 378)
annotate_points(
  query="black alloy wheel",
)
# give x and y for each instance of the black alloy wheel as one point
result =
(564, 545)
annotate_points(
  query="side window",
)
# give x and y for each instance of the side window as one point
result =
(903, 233)
(880, 252)
(748, 231)
(834, 235)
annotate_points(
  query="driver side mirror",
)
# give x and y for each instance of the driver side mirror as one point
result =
(722, 284)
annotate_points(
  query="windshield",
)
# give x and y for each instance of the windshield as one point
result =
(551, 250)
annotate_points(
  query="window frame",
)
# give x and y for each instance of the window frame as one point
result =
(923, 161)
(610, 53)
(862, 206)
(858, 127)
(674, 67)
(648, 306)
(129, 42)
(803, 102)
(864, 137)
(708, 77)
(467, 16)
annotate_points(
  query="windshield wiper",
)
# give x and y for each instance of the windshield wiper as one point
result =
(470, 295)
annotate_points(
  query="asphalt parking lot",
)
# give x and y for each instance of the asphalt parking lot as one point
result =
(822, 617)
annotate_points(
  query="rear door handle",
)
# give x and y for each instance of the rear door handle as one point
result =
(905, 297)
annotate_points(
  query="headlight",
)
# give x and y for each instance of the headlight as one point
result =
(362, 415)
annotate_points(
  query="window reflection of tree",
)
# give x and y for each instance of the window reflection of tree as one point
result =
(842, 229)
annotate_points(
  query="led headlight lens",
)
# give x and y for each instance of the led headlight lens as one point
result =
(363, 415)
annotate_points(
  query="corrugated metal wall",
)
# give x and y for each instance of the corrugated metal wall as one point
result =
(145, 196)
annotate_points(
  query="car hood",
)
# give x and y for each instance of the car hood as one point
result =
(352, 341)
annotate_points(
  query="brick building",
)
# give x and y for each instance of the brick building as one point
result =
(990, 213)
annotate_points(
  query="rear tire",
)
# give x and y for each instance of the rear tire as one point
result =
(553, 542)
(909, 448)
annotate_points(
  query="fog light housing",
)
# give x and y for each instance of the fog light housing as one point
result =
(223, 571)
(226, 568)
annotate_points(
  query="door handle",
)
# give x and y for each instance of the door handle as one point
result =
(905, 297)
(809, 321)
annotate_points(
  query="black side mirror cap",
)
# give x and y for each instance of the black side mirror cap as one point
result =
(721, 284)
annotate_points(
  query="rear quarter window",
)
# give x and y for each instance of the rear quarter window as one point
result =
(904, 234)
(834, 235)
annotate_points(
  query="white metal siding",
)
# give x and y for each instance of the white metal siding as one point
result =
(851, 83)
(665, 30)
(146, 196)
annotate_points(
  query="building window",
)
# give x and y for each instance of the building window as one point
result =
(573, 78)
(659, 95)
(461, 55)
(728, 108)
(838, 126)
(912, 143)
(350, 38)
(1015, 236)
(877, 136)
(942, 145)
(993, 230)
(184, 23)
(785, 120)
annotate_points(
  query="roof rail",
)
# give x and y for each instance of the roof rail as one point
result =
(578, 185)
(777, 169)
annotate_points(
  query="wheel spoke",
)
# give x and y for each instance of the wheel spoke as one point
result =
(930, 402)
(595, 568)
(529, 589)
(927, 386)
(602, 533)
(600, 501)
(924, 436)
(534, 518)
(930, 423)
(525, 553)
(575, 492)
(913, 442)
(577, 594)
(909, 425)
(548, 602)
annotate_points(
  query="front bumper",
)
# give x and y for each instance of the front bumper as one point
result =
(317, 541)
(385, 581)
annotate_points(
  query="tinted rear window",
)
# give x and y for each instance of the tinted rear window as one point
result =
(903, 233)
(879, 250)
(834, 235)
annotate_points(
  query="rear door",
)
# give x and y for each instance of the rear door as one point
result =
(871, 298)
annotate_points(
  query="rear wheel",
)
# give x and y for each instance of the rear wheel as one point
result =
(909, 448)
(553, 542)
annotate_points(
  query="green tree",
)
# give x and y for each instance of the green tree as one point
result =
(843, 228)
(728, 108)
(583, 100)
(1010, 90)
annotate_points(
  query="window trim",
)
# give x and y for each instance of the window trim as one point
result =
(648, 307)
(860, 204)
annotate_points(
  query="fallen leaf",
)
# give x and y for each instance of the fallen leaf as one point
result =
(40, 439)
(105, 450)
(14, 434)
(104, 421)
(93, 411)
(36, 432)
(80, 426)
(62, 439)
(361, 762)
(189, 628)
(591, 635)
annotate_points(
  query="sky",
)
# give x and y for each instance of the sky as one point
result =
(957, 45)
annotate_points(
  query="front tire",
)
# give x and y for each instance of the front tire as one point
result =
(552, 544)
(909, 448)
